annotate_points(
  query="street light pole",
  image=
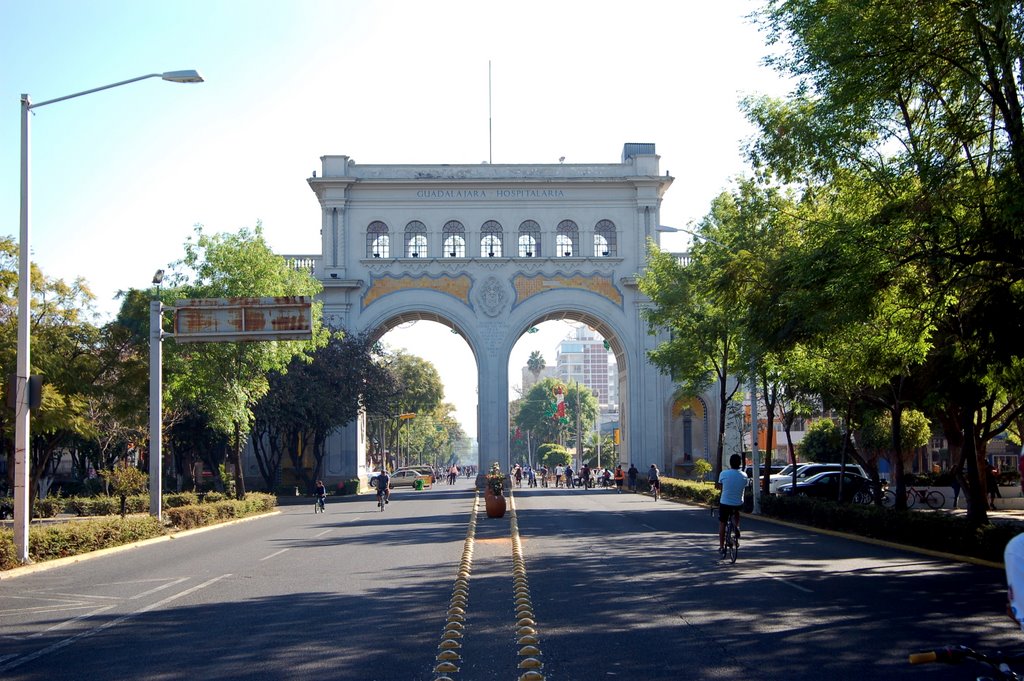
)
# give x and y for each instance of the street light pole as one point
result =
(21, 420)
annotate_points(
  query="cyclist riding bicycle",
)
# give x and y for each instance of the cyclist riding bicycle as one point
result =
(384, 486)
(654, 478)
(733, 484)
(321, 492)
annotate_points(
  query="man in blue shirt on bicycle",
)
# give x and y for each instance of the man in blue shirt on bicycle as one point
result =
(733, 483)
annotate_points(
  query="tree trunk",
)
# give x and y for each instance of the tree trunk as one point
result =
(723, 402)
(897, 448)
(236, 455)
(977, 503)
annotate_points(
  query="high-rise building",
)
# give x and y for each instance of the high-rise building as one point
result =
(585, 358)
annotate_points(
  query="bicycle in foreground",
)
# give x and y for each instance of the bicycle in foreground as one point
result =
(318, 504)
(655, 489)
(732, 539)
(382, 498)
(998, 662)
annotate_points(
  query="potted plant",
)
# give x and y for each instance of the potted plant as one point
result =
(494, 487)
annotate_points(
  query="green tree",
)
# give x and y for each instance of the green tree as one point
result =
(537, 415)
(418, 390)
(228, 379)
(875, 436)
(913, 110)
(703, 329)
(598, 450)
(535, 364)
(125, 480)
(63, 353)
(822, 442)
(551, 454)
(312, 399)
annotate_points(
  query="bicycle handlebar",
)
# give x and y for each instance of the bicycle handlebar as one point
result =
(924, 658)
(998, 661)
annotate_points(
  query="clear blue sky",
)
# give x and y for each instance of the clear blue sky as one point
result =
(120, 177)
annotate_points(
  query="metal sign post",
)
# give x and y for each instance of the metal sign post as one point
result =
(214, 320)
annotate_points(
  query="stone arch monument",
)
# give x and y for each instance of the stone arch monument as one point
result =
(491, 250)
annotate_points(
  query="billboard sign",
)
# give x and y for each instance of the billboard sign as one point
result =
(209, 320)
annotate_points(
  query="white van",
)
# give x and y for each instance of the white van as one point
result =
(806, 470)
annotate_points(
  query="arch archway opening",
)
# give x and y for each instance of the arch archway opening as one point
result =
(430, 438)
(580, 353)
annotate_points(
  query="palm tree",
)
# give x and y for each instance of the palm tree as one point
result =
(536, 364)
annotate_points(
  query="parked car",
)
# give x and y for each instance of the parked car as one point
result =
(407, 477)
(807, 470)
(426, 471)
(856, 487)
(775, 470)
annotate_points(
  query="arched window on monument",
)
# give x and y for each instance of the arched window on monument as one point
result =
(490, 239)
(453, 240)
(416, 239)
(604, 239)
(529, 239)
(378, 242)
(566, 237)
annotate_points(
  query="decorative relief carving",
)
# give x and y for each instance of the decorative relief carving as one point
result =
(491, 296)
(528, 286)
(457, 286)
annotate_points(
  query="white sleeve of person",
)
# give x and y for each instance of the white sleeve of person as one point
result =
(1013, 557)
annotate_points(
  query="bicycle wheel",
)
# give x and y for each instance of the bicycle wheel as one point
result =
(862, 496)
(732, 542)
(889, 498)
(911, 498)
(935, 499)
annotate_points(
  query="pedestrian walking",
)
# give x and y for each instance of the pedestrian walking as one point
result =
(955, 483)
(992, 483)
(632, 474)
(620, 477)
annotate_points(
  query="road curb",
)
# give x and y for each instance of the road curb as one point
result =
(887, 544)
(864, 540)
(70, 560)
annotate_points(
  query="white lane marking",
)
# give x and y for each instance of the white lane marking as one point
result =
(18, 661)
(318, 535)
(88, 597)
(168, 585)
(789, 583)
(61, 625)
(275, 553)
(649, 527)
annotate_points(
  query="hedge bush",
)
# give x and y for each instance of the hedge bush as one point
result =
(350, 486)
(936, 531)
(50, 507)
(57, 540)
(689, 490)
(47, 542)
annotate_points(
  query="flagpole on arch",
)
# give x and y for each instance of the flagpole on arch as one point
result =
(490, 134)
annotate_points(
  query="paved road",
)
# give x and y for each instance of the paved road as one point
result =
(621, 587)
